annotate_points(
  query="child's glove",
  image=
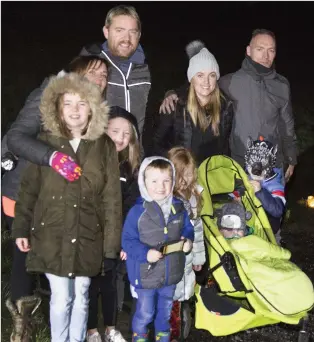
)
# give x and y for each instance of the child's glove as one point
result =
(66, 166)
(187, 246)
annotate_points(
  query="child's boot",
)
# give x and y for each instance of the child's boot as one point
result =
(22, 312)
(140, 337)
(163, 336)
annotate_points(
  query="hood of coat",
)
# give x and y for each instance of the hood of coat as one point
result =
(74, 84)
(141, 178)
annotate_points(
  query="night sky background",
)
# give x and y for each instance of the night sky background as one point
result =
(39, 38)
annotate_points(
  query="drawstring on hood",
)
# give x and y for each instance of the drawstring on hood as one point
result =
(166, 203)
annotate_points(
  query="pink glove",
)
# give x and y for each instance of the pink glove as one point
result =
(66, 166)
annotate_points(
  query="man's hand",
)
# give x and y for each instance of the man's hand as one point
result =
(168, 104)
(153, 255)
(187, 246)
(23, 244)
(289, 172)
(256, 185)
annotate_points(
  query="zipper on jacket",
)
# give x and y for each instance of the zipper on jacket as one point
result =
(126, 89)
(163, 224)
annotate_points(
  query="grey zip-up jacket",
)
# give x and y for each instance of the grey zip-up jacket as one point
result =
(128, 88)
(262, 107)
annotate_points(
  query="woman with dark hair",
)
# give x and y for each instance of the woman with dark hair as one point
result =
(203, 116)
(23, 303)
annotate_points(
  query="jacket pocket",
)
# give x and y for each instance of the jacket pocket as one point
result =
(38, 224)
(176, 266)
(153, 275)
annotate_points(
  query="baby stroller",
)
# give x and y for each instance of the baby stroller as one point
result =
(229, 302)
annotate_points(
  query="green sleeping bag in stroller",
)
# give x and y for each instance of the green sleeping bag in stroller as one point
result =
(249, 278)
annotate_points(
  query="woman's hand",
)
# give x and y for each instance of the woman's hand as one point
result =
(123, 255)
(23, 244)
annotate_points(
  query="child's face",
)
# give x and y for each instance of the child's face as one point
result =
(232, 233)
(158, 183)
(187, 178)
(119, 130)
(75, 111)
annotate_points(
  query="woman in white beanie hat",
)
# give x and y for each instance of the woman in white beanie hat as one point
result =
(203, 117)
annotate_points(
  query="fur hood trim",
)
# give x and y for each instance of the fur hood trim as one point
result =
(74, 83)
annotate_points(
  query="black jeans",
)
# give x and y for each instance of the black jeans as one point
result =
(22, 283)
(105, 286)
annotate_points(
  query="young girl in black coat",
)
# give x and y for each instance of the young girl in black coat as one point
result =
(123, 130)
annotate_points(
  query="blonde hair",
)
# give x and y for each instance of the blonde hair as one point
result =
(181, 159)
(132, 152)
(208, 115)
(123, 10)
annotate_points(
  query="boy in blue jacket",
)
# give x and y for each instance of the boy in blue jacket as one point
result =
(156, 219)
(266, 180)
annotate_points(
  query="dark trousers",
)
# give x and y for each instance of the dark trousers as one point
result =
(105, 286)
(22, 283)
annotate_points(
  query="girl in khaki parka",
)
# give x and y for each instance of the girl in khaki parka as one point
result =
(67, 227)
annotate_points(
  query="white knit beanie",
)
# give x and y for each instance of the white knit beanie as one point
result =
(200, 59)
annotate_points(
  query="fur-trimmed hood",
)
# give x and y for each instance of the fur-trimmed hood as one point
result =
(74, 83)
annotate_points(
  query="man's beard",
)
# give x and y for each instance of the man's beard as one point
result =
(115, 50)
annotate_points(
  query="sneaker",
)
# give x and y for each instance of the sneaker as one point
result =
(95, 337)
(114, 336)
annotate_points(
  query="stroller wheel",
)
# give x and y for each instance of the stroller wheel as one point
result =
(304, 336)
(186, 319)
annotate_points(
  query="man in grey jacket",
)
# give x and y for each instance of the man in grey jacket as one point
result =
(129, 76)
(262, 102)
(128, 84)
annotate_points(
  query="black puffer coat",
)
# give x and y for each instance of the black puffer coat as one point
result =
(129, 187)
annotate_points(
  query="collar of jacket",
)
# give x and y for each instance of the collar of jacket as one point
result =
(256, 70)
(175, 201)
(138, 56)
